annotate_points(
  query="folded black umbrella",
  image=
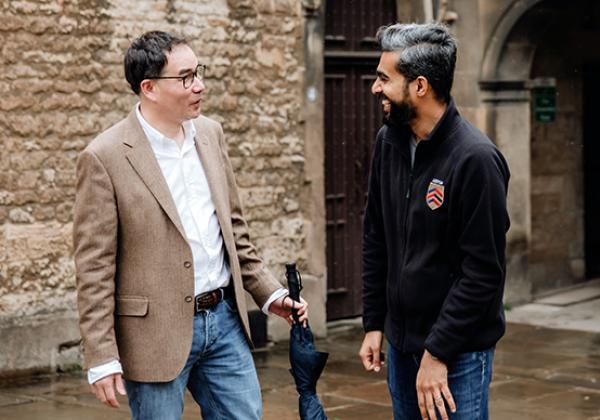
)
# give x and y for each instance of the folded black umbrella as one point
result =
(306, 362)
(306, 366)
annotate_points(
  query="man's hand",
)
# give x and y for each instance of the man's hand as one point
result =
(283, 307)
(105, 389)
(432, 388)
(370, 351)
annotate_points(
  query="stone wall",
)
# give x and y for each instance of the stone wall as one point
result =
(61, 83)
(557, 149)
(557, 246)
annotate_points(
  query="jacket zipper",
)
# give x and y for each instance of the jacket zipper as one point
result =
(405, 233)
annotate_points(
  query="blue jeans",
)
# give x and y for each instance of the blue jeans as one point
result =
(219, 373)
(469, 377)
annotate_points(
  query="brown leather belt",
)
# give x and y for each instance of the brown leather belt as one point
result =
(207, 300)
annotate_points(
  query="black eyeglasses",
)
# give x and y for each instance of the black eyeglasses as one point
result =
(188, 79)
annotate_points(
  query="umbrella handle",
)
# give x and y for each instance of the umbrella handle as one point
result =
(294, 281)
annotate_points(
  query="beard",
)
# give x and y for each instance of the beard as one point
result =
(400, 113)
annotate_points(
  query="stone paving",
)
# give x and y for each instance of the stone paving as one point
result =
(539, 373)
(573, 308)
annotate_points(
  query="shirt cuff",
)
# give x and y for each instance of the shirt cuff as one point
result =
(102, 371)
(276, 295)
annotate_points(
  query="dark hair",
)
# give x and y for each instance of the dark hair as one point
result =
(146, 56)
(426, 50)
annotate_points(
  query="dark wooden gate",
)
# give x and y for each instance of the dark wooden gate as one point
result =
(352, 118)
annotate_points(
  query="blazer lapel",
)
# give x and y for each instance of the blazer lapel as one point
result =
(142, 158)
(210, 156)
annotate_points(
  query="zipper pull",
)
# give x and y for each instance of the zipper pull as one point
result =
(410, 176)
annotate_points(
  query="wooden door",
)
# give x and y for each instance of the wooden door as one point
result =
(352, 117)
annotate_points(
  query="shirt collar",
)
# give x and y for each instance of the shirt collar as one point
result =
(163, 144)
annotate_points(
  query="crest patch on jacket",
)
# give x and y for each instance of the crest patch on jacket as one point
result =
(435, 194)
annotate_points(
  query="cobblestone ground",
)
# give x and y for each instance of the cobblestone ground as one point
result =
(539, 373)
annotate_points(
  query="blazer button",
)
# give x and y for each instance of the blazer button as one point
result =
(187, 264)
(188, 299)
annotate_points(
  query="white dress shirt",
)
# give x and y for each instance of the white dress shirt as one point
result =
(184, 174)
(185, 177)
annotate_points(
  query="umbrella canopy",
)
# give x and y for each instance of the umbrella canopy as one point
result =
(306, 362)
(306, 366)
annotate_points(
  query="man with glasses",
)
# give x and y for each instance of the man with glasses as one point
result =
(162, 251)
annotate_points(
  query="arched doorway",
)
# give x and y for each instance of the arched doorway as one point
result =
(548, 47)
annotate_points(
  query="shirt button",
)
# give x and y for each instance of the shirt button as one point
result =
(188, 299)
(187, 264)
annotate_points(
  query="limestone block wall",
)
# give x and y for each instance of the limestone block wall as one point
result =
(557, 256)
(56, 93)
(61, 83)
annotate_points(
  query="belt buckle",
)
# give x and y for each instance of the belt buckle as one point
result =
(198, 308)
(211, 297)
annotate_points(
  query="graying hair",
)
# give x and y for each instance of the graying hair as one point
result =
(426, 50)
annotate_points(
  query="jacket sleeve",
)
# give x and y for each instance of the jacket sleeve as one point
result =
(257, 279)
(374, 254)
(483, 223)
(95, 246)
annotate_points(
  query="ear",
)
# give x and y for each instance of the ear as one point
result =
(148, 89)
(421, 86)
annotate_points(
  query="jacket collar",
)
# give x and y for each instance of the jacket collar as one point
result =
(445, 125)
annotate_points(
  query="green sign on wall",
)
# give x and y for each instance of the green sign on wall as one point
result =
(544, 103)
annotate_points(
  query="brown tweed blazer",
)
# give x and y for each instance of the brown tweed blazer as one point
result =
(134, 277)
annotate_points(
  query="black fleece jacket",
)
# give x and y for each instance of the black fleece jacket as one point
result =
(434, 239)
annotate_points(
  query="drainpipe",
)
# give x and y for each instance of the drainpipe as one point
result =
(428, 10)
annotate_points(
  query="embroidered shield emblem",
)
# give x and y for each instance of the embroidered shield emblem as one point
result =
(435, 194)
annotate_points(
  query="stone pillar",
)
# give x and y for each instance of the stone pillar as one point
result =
(465, 90)
(507, 106)
(315, 287)
(410, 11)
(313, 191)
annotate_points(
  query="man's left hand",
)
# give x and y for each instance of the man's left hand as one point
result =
(432, 388)
(283, 307)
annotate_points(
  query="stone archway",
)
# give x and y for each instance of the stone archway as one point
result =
(502, 31)
(527, 35)
(505, 95)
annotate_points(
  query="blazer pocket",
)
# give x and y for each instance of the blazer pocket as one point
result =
(131, 305)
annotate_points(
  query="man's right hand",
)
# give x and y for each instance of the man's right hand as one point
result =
(370, 351)
(105, 389)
